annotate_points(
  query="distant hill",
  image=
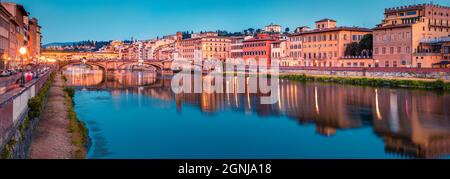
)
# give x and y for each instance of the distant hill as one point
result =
(82, 46)
(59, 44)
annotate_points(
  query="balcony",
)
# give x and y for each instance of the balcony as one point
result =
(427, 54)
(435, 40)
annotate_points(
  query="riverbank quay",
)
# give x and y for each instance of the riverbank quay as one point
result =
(78, 129)
(433, 79)
(383, 73)
(20, 109)
(56, 135)
(412, 78)
(372, 81)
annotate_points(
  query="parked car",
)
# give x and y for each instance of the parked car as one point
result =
(12, 72)
(4, 73)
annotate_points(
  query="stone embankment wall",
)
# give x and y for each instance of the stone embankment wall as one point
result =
(443, 74)
(16, 129)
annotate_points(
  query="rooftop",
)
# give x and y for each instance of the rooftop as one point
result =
(272, 24)
(413, 7)
(325, 20)
(360, 29)
(392, 26)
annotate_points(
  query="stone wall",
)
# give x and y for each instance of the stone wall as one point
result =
(445, 75)
(16, 131)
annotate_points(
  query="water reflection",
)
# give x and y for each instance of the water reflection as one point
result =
(411, 123)
(80, 76)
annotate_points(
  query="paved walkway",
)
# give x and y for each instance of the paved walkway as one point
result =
(52, 139)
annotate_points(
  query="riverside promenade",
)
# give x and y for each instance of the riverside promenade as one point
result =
(52, 139)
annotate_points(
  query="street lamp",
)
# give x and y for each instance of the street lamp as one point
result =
(22, 51)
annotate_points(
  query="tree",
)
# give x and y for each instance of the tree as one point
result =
(361, 48)
(251, 30)
(366, 45)
(352, 49)
(287, 30)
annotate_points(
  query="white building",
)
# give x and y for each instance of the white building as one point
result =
(279, 52)
(153, 45)
(273, 28)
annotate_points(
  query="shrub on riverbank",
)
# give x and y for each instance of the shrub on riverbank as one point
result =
(35, 104)
(373, 82)
(78, 129)
(70, 91)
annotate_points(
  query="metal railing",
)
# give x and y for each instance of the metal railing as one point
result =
(436, 40)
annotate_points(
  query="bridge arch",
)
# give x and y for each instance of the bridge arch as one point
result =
(101, 66)
(157, 65)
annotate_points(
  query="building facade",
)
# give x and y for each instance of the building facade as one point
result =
(259, 47)
(5, 25)
(237, 46)
(18, 31)
(34, 44)
(279, 53)
(273, 28)
(404, 37)
(211, 47)
(324, 45)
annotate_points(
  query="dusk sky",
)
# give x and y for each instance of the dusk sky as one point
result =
(75, 20)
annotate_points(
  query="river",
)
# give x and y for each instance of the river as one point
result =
(134, 115)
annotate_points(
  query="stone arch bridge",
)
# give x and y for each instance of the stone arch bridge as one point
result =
(159, 66)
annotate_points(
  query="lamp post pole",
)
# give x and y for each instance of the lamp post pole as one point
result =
(22, 52)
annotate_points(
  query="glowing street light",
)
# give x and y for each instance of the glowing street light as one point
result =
(23, 50)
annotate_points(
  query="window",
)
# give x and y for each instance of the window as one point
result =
(383, 51)
(399, 50)
(391, 50)
(376, 51)
(345, 36)
(411, 13)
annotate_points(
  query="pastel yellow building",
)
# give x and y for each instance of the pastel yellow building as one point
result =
(211, 47)
(323, 46)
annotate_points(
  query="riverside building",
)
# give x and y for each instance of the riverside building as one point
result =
(414, 36)
(324, 45)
